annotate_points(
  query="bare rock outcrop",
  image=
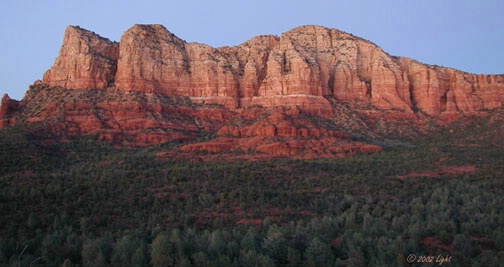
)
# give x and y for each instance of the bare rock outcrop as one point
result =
(155, 60)
(300, 94)
(86, 61)
(280, 132)
(299, 68)
(438, 90)
(8, 107)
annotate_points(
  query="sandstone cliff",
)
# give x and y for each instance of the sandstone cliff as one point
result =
(310, 92)
(300, 67)
(8, 107)
(86, 61)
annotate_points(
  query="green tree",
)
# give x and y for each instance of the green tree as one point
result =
(92, 255)
(355, 259)
(275, 244)
(164, 249)
(51, 247)
(318, 254)
(139, 259)
(216, 243)
(200, 259)
(33, 221)
(67, 263)
(249, 240)
(294, 257)
(86, 225)
(253, 259)
(71, 248)
(161, 251)
(400, 250)
(123, 251)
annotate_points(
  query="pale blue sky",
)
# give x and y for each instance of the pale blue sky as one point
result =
(463, 34)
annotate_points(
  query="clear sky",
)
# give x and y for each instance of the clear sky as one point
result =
(462, 34)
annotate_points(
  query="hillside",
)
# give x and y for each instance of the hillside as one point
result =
(86, 202)
(313, 148)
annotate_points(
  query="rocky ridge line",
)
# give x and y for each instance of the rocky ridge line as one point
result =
(300, 67)
(312, 92)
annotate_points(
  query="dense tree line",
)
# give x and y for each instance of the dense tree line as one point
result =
(83, 203)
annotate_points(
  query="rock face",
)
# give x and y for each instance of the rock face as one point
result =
(281, 132)
(8, 107)
(441, 90)
(86, 61)
(301, 67)
(301, 94)
(125, 118)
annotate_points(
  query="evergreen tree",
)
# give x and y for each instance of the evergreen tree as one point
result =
(249, 240)
(123, 251)
(139, 258)
(162, 251)
(253, 259)
(275, 244)
(33, 221)
(216, 243)
(92, 255)
(318, 254)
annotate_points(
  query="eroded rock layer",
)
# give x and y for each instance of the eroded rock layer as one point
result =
(300, 67)
(311, 92)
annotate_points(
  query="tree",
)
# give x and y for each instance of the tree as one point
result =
(253, 259)
(318, 254)
(51, 245)
(250, 240)
(216, 243)
(400, 250)
(67, 263)
(200, 259)
(33, 221)
(123, 249)
(355, 259)
(294, 257)
(275, 244)
(91, 253)
(139, 259)
(86, 225)
(71, 248)
(162, 252)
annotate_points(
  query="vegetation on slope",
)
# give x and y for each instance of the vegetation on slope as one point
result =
(85, 203)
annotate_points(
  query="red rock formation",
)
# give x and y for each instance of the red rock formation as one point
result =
(8, 107)
(280, 134)
(151, 60)
(298, 68)
(289, 95)
(154, 60)
(438, 90)
(127, 118)
(86, 61)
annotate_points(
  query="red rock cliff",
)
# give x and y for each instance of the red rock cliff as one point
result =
(301, 67)
(86, 61)
(304, 94)
(8, 106)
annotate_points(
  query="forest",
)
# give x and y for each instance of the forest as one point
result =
(87, 203)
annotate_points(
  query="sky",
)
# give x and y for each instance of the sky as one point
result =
(464, 34)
